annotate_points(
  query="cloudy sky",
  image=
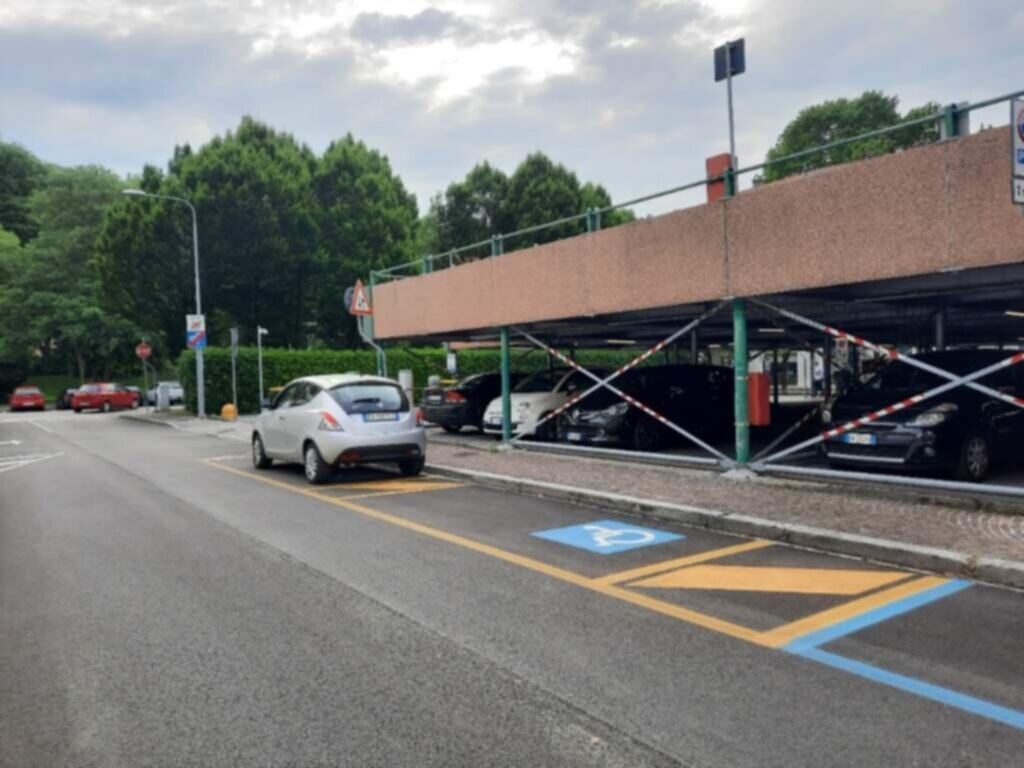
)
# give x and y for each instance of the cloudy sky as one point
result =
(622, 92)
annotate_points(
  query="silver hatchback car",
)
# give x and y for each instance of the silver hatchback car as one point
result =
(340, 420)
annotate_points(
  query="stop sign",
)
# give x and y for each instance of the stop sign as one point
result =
(143, 350)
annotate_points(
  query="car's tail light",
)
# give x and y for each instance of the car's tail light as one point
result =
(451, 396)
(328, 423)
(419, 417)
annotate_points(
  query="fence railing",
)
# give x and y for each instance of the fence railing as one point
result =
(947, 117)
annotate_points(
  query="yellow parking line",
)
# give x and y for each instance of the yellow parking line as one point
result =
(378, 494)
(667, 609)
(681, 562)
(779, 636)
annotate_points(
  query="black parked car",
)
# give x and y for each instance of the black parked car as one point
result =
(463, 405)
(699, 398)
(64, 398)
(960, 431)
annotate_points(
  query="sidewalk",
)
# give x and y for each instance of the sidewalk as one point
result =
(951, 536)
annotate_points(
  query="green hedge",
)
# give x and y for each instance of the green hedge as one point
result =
(282, 365)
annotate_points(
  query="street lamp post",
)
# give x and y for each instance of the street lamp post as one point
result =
(200, 384)
(260, 333)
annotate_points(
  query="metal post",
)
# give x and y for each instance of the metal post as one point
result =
(728, 89)
(693, 346)
(200, 383)
(739, 334)
(775, 374)
(940, 330)
(506, 388)
(259, 360)
(827, 383)
(497, 245)
(234, 373)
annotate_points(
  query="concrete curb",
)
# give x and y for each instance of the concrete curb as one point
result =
(988, 569)
(142, 419)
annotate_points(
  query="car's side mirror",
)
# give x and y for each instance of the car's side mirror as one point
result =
(267, 405)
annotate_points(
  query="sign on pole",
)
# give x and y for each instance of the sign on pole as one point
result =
(143, 351)
(1017, 129)
(360, 300)
(730, 59)
(195, 331)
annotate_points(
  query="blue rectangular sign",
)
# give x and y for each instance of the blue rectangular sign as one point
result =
(605, 537)
(195, 339)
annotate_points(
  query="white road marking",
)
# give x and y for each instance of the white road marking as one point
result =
(10, 442)
(45, 429)
(23, 461)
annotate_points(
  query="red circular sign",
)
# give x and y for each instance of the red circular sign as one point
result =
(143, 350)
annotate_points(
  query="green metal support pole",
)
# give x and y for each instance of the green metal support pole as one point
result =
(739, 340)
(506, 388)
(428, 265)
(730, 182)
(497, 245)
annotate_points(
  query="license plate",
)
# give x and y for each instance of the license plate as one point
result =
(494, 422)
(855, 439)
(433, 398)
(380, 416)
(574, 436)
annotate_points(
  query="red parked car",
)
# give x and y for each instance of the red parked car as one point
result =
(27, 399)
(104, 396)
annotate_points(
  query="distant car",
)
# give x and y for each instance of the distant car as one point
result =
(533, 398)
(64, 398)
(27, 399)
(699, 398)
(177, 393)
(323, 422)
(104, 396)
(463, 405)
(961, 431)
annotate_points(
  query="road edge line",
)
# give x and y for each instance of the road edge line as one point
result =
(1004, 573)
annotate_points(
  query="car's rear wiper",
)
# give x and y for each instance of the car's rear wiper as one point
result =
(365, 400)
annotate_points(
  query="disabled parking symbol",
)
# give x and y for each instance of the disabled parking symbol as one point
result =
(606, 537)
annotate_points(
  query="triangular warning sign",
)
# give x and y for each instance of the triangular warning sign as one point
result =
(360, 300)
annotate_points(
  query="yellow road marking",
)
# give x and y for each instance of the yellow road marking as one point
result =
(387, 485)
(378, 494)
(668, 609)
(679, 562)
(782, 635)
(773, 638)
(802, 581)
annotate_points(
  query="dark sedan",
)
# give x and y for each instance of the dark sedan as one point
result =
(64, 398)
(960, 431)
(699, 398)
(463, 404)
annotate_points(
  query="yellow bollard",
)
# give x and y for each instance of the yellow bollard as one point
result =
(228, 412)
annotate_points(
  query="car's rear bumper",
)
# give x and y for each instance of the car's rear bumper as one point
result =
(462, 415)
(589, 435)
(349, 448)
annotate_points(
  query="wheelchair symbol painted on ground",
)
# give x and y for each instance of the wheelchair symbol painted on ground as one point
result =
(606, 537)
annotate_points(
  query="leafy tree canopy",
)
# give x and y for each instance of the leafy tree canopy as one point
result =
(21, 174)
(842, 119)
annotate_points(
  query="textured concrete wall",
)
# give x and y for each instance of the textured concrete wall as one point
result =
(928, 209)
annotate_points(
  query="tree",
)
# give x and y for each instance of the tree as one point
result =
(839, 119)
(367, 221)
(488, 203)
(21, 174)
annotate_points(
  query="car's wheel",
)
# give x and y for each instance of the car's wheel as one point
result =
(975, 458)
(647, 435)
(78, 410)
(411, 467)
(135, 403)
(316, 469)
(451, 428)
(260, 460)
(548, 431)
(105, 407)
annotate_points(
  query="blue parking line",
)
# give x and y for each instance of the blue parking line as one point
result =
(876, 616)
(808, 647)
(1012, 717)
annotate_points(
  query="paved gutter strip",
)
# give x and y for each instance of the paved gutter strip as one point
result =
(992, 570)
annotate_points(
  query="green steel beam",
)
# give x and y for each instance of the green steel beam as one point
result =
(739, 336)
(506, 388)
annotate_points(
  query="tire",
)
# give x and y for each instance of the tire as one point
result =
(411, 467)
(105, 407)
(975, 459)
(260, 460)
(451, 429)
(317, 471)
(548, 431)
(135, 403)
(647, 436)
(78, 410)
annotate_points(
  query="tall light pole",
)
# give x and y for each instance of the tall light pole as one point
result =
(260, 333)
(200, 384)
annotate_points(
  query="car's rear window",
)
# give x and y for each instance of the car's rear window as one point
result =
(369, 398)
(27, 391)
(90, 389)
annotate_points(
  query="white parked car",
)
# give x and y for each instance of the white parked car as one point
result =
(534, 397)
(340, 420)
(176, 393)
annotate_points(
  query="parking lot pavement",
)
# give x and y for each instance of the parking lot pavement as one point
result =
(382, 620)
(956, 525)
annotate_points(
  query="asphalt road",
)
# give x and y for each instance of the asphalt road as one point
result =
(163, 604)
